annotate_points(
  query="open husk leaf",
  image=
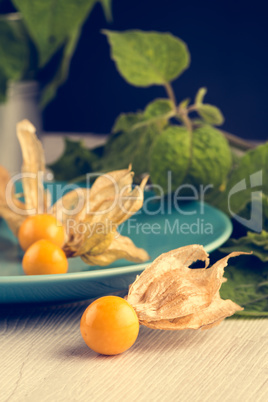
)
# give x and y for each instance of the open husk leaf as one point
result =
(120, 247)
(33, 167)
(108, 203)
(170, 295)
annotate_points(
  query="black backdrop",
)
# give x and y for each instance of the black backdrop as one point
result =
(228, 45)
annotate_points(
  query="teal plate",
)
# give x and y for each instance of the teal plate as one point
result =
(157, 231)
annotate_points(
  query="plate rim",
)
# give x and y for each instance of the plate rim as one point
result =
(110, 272)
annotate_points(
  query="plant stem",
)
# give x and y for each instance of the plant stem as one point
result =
(238, 142)
(192, 108)
(186, 120)
(170, 93)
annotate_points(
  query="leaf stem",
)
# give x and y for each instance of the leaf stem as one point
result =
(170, 93)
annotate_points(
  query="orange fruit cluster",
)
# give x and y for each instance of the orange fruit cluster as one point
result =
(41, 237)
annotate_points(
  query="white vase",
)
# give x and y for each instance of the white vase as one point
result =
(22, 103)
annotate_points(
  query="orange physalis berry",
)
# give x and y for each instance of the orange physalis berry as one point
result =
(39, 227)
(109, 325)
(44, 257)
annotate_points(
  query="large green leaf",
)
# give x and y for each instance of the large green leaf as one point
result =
(202, 157)
(247, 285)
(131, 146)
(14, 54)
(255, 162)
(148, 58)
(51, 22)
(76, 161)
(156, 112)
(62, 72)
(135, 135)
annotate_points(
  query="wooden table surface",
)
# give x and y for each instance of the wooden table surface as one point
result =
(43, 358)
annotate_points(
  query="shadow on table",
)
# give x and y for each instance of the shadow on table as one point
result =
(149, 340)
(31, 310)
(164, 340)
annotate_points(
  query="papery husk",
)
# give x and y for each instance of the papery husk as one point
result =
(106, 209)
(120, 247)
(36, 198)
(108, 203)
(68, 203)
(170, 295)
(13, 219)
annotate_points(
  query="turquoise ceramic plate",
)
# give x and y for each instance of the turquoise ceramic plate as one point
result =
(157, 232)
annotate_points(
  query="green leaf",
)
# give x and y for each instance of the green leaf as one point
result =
(107, 9)
(157, 112)
(129, 147)
(137, 134)
(148, 58)
(247, 286)
(200, 96)
(265, 206)
(62, 72)
(51, 22)
(210, 114)
(253, 161)
(184, 103)
(159, 108)
(126, 121)
(202, 157)
(255, 242)
(14, 54)
(75, 161)
(171, 151)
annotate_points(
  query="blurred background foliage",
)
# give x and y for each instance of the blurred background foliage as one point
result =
(38, 39)
(59, 44)
(227, 41)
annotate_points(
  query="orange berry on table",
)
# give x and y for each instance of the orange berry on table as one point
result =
(109, 325)
(39, 227)
(44, 257)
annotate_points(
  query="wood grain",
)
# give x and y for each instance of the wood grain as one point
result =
(43, 358)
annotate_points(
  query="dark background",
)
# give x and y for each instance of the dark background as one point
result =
(228, 45)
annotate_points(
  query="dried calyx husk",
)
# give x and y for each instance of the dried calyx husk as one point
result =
(93, 233)
(170, 295)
